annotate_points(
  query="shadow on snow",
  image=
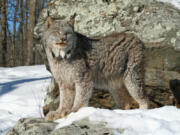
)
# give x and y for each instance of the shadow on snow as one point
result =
(10, 86)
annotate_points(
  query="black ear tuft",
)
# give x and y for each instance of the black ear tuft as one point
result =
(48, 13)
(72, 20)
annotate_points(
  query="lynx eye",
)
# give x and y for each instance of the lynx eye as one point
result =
(53, 55)
(69, 51)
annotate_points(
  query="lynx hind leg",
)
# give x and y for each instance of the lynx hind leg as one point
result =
(136, 90)
(133, 78)
(121, 97)
(120, 94)
(65, 105)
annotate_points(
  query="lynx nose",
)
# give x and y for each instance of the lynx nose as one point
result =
(61, 42)
(62, 39)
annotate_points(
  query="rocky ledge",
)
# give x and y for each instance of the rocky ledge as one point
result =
(37, 126)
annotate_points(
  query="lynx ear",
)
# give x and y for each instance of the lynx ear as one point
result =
(49, 22)
(72, 20)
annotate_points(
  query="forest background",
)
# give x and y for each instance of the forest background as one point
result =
(17, 21)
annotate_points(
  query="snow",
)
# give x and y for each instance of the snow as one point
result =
(160, 121)
(22, 90)
(175, 3)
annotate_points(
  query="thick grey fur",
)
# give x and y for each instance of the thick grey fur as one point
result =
(113, 63)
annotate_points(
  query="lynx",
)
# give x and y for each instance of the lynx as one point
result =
(80, 64)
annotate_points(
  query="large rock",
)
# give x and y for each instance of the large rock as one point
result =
(32, 126)
(156, 24)
(35, 126)
(85, 127)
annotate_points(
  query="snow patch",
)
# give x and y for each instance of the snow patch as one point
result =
(22, 91)
(175, 3)
(160, 121)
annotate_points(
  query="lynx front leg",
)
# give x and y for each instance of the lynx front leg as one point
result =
(65, 105)
(83, 94)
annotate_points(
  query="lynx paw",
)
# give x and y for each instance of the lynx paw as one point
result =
(54, 115)
(144, 105)
(74, 109)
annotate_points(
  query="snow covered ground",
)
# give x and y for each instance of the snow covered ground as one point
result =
(160, 121)
(176, 3)
(22, 90)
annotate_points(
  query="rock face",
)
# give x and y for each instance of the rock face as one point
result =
(84, 127)
(156, 24)
(34, 126)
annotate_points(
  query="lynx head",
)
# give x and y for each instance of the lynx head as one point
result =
(60, 38)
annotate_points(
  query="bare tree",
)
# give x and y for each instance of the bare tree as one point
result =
(21, 33)
(30, 43)
(14, 34)
(17, 21)
(3, 34)
(26, 12)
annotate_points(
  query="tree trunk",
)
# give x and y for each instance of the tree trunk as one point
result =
(21, 34)
(29, 60)
(3, 37)
(14, 34)
(25, 28)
